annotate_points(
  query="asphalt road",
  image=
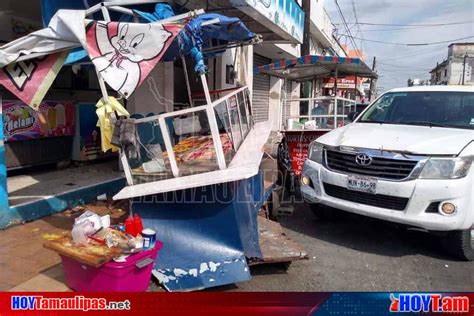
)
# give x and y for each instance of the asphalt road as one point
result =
(359, 254)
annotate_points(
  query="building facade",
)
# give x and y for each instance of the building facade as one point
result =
(457, 68)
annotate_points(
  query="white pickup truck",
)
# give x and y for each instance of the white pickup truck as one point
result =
(408, 158)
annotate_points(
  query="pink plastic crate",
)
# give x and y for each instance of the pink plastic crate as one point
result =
(130, 276)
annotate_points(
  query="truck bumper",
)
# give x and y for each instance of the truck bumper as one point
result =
(421, 193)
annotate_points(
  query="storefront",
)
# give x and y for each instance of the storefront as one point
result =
(280, 24)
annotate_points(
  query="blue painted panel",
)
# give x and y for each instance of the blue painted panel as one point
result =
(206, 232)
(38, 209)
(3, 169)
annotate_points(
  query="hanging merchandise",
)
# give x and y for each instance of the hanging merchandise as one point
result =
(106, 113)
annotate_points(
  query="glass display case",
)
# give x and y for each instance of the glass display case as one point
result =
(322, 113)
(186, 142)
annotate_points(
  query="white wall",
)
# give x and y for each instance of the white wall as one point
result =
(156, 93)
(455, 73)
(242, 60)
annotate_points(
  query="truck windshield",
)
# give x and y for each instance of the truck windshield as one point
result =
(430, 108)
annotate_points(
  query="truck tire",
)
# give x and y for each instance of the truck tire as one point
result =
(460, 243)
(325, 212)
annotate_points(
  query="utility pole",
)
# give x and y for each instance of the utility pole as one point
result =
(464, 68)
(374, 61)
(307, 86)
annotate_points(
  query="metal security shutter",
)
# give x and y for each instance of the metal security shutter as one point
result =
(261, 91)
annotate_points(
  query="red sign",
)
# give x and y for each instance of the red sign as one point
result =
(298, 144)
(343, 83)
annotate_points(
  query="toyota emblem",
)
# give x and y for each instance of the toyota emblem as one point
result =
(363, 160)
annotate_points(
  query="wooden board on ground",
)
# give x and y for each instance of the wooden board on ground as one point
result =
(275, 245)
(92, 254)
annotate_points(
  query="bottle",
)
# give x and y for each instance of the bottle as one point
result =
(130, 226)
(137, 221)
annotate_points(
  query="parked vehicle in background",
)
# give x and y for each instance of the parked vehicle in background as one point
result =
(408, 158)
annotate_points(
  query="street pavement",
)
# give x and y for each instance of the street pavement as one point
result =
(351, 254)
(356, 253)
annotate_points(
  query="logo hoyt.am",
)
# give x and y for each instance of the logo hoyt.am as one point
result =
(435, 303)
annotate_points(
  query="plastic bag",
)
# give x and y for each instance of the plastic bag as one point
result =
(86, 224)
(81, 231)
(91, 217)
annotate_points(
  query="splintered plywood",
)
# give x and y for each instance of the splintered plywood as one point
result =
(275, 245)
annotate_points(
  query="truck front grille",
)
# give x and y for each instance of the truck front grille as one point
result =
(377, 200)
(387, 168)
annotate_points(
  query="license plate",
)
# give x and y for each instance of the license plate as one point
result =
(361, 184)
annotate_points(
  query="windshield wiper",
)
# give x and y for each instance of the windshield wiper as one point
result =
(374, 122)
(425, 123)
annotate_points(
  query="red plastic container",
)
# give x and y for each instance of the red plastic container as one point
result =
(130, 276)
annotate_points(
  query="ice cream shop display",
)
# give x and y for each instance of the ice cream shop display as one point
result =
(53, 118)
(34, 137)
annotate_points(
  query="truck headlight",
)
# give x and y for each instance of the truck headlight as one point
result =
(446, 168)
(315, 152)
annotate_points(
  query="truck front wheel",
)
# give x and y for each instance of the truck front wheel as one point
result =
(460, 243)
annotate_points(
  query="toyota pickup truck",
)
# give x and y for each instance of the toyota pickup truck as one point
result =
(407, 158)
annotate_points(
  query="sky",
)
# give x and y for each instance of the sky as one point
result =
(397, 63)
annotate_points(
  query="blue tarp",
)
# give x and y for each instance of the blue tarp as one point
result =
(196, 37)
(190, 41)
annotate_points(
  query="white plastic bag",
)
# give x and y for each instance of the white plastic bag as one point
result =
(81, 231)
(86, 224)
(90, 216)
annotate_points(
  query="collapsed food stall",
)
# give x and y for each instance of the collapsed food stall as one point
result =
(302, 120)
(193, 174)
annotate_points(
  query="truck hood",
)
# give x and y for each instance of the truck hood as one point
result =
(423, 140)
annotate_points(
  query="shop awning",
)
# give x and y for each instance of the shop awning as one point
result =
(315, 67)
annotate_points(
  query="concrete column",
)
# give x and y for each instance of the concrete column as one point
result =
(274, 103)
(295, 93)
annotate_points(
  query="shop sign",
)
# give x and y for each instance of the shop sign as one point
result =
(20, 122)
(343, 83)
(298, 144)
(280, 16)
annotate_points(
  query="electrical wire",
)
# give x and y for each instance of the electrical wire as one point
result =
(402, 66)
(420, 25)
(407, 28)
(409, 44)
(354, 10)
(351, 38)
(421, 52)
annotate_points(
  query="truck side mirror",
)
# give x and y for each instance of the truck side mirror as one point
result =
(352, 116)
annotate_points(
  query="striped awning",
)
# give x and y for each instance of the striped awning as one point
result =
(314, 67)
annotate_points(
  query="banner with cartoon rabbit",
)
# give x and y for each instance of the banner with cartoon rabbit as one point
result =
(125, 53)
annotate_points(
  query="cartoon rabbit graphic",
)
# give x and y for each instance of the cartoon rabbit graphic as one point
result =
(121, 55)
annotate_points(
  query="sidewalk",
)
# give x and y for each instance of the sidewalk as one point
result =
(26, 265)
